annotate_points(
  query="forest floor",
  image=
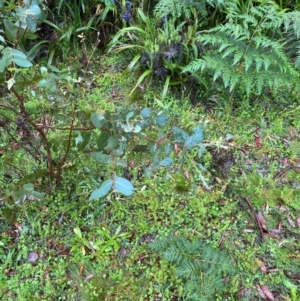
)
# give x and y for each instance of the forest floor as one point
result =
(66, 247)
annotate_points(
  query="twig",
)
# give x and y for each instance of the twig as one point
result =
(45, 141)
(53, 127)
(261, 233)
(69, 142)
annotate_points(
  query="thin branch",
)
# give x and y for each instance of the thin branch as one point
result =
(65, 128)
(260, 229)
(44, 139)
(69, 142)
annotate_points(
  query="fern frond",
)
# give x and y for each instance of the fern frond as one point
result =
(292, 36)
(291, 22)
(201, 266)
(245, 53)
(179, 8)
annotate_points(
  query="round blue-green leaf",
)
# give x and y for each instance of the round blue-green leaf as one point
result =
(96, 120)
(162, 119)
(102, 158)
(180, 135)
(129, 115)
(28, 187)
(112, 144)
(102, 191)
(198, 130)
(137, 128)
(195, 139)
(166, 162)
(123, 186)
(145, 113)
(201, 150)
(168, 149)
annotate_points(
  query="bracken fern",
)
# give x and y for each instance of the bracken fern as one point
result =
(247, 50)
(179, 8)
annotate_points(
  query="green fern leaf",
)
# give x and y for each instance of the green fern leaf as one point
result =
(201, 266)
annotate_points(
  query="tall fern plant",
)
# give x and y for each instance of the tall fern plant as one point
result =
(248, 50)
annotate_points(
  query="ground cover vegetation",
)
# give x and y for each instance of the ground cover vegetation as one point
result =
(149, 150)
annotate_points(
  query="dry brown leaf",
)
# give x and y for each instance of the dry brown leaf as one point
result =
(261, 219)
(176, 148)
(187, 176)
(274, 231)
(218, 180)
(257, 141)
(32, 257)
(81, 269)
(282, 208)
(260, 292)
(291, 130)
(279, 226)
(267, 293)
(223, 202)
(87, 278)
(273, 270)
(245, 292)
(46, 274)
(291, 222)
(262, 267)
(270, 234)
(284, 297)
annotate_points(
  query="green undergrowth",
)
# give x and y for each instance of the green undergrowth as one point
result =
(65, 247)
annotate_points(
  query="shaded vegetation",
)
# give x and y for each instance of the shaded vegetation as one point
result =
(149, 150)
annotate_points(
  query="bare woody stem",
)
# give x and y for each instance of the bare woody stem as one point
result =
(39, 129)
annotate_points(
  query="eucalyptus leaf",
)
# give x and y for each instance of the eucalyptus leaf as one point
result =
(10, 30)
(36, 196)
(96, 120)
(102, 140)
(168, 149)
(162, 119)
(123, 186)
(86, 136)
(129, 115)
(195, 139)
(78, 139)
(102, 158)
(112, 143)
(119, 152)
(121, 163)
(198, 130)
(20, 59)
(145, 113)
(166, 162)
(28, 187)
(102, 191)
(180, 135)
(16, 56)
(128, 128)
(137, 129)
(28, 17)
(201, 150)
